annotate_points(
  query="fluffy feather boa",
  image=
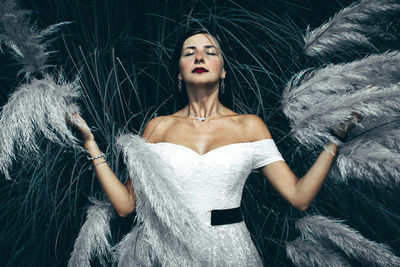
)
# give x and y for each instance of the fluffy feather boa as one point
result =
(167, 230)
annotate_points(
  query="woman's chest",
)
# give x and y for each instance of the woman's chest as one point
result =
(223, 165)
(204, 138)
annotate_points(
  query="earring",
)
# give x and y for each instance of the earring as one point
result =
(222, 87)
(179, 85)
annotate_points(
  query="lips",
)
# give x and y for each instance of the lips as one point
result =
(199, 70)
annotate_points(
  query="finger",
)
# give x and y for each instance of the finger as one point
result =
(77, 119)
(74, 120)
(68, 119)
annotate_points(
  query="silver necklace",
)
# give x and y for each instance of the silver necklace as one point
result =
(201, 119)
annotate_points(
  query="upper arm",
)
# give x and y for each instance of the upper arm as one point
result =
(282, 178)
(131, 192)
(149, 131)
(152, 129)
(278, 173)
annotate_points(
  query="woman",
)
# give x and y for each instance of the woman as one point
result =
(210, 150)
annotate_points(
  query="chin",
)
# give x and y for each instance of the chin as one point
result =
(203, 82)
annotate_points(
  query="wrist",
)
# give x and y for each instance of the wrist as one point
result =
(332, 148)
(88, 138)
(91, 146)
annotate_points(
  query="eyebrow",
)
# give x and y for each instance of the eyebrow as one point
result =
(206, 46)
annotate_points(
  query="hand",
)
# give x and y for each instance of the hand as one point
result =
(344, 128)
(79, 124)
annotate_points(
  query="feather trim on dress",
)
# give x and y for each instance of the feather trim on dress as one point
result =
(164, 217)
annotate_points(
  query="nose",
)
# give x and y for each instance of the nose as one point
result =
(199, 58)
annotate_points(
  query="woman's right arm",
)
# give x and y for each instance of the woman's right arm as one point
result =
(122, 196)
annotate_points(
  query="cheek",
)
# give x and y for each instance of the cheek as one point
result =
(183, 65)
(218, 64)
(180, 65)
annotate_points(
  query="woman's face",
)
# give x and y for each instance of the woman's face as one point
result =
(201, 61)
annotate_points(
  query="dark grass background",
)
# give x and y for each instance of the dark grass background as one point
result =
(121, 51)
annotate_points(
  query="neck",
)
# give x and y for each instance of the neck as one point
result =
(203, 101)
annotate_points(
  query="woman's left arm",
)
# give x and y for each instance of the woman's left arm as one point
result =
(300, 192)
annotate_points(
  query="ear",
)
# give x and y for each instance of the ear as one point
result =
(180, 76)
(223, 74)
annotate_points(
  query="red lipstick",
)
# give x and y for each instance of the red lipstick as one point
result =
(200, 70)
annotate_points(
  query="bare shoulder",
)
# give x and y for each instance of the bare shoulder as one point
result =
(155, 128)
(255, 127)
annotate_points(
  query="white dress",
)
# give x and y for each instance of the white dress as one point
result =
(191, 185)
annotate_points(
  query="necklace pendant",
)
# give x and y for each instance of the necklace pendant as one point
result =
(200, 118)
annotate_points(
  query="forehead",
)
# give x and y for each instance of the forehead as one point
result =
(200, 40)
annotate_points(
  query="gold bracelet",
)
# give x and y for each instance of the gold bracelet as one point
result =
(94, 166)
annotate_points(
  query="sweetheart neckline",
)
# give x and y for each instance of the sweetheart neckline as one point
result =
(217, 148)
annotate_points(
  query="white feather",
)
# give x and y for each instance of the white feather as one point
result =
(36, 108)
(320, 229)
(349, 28)
(93, 236)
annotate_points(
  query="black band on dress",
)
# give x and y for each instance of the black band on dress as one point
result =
(226, 216)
